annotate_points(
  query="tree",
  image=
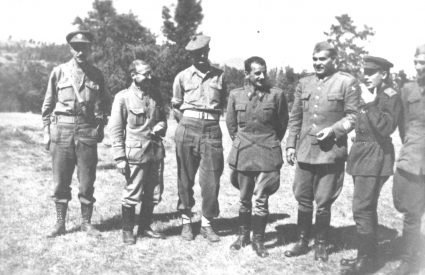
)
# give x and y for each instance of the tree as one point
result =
(178, 29)
(118, 40)
(346, 38)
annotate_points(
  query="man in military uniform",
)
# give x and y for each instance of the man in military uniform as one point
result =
(409, 178)
(371, 157)
(198, 97)
(137, 124)
(74, 113)
(257, 116)
(323, 113)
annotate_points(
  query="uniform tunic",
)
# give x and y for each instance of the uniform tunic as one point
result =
(134, 114)
(73, 126)
(320, 103)
(256, 122)
(371, 157)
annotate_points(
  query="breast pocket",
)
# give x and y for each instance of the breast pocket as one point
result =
(191, 93)
(305, 98)
(336, 102)
(241, 113)
(136, 117)
(65, 91)
(268, 111)
(414, 106)
(214, 91)
(91, 91)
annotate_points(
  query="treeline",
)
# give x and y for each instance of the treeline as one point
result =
(120, 38)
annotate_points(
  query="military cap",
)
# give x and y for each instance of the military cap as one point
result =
(324, 46)
(80, 36)
(376, 63)
(420, 50)
(198, 42)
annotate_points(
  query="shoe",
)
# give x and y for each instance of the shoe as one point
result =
(59, 228)
(150, 233)
(304, 228)
(208, 233)
(320, 251)
(258, 231)
(86, 226)
(242, 240)
(128, 225)
(187, 233)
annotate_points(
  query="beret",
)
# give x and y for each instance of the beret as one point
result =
(420, 49)
(376, 63)
(197, 42)
(81, 36)
(324, 46)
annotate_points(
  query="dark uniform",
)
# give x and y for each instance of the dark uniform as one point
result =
(200, 97)
(320, 103)
(256, 122)
(409, 178)
(371, 160)
(75, 125)
(135, 113)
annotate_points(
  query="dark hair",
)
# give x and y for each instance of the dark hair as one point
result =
(135, 63)
(254, 59)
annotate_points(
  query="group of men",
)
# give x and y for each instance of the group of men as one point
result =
(328, 105)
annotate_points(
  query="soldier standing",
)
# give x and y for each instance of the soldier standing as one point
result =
(198, 97)
(74, 113)
(257, 117)
(323, 113)
(371, 157)
(409, 178)
(137, 124)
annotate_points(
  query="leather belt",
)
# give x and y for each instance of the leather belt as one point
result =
(201, 115)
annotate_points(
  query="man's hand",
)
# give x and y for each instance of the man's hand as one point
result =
(367, 95)
(290, 156)
(122, 167)
(46, 138)
(177, 114)
(100, 133)
(156, 129)
(324, 134)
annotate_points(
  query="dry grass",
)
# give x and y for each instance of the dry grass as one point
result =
(27, 215)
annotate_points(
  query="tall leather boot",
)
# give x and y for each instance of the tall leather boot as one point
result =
(322, 229)
(258, 229)
(86, 226)
(244, 231)
(365, 262)
(409, 254)
(128, 225)
(59, 228)
(145, 221)
(304, 228)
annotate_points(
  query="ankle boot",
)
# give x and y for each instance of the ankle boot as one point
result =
(128, 225)
(304, 228)
(365, 262)
(244, 231)
(145, 221)
(59, 228)
(86, 226)
(322, 228)
(258, 229)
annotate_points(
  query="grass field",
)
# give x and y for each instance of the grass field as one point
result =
(27, 215)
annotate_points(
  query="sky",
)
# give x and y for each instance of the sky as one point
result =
(281, 31)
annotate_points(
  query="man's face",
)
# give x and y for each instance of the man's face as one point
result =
(373, 78)
(80, 52)
(323, 64)
(200, 57)
(257, 76)
(419, 62)
(142, 75)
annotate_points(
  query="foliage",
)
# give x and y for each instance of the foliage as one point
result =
(347, 39)
(118, 40)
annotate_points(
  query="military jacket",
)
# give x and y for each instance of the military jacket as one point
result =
(372, 153)
(194, 90)
(257, 124)
(60, 98)
(320, 103)
(412, 153)
(134, 114)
